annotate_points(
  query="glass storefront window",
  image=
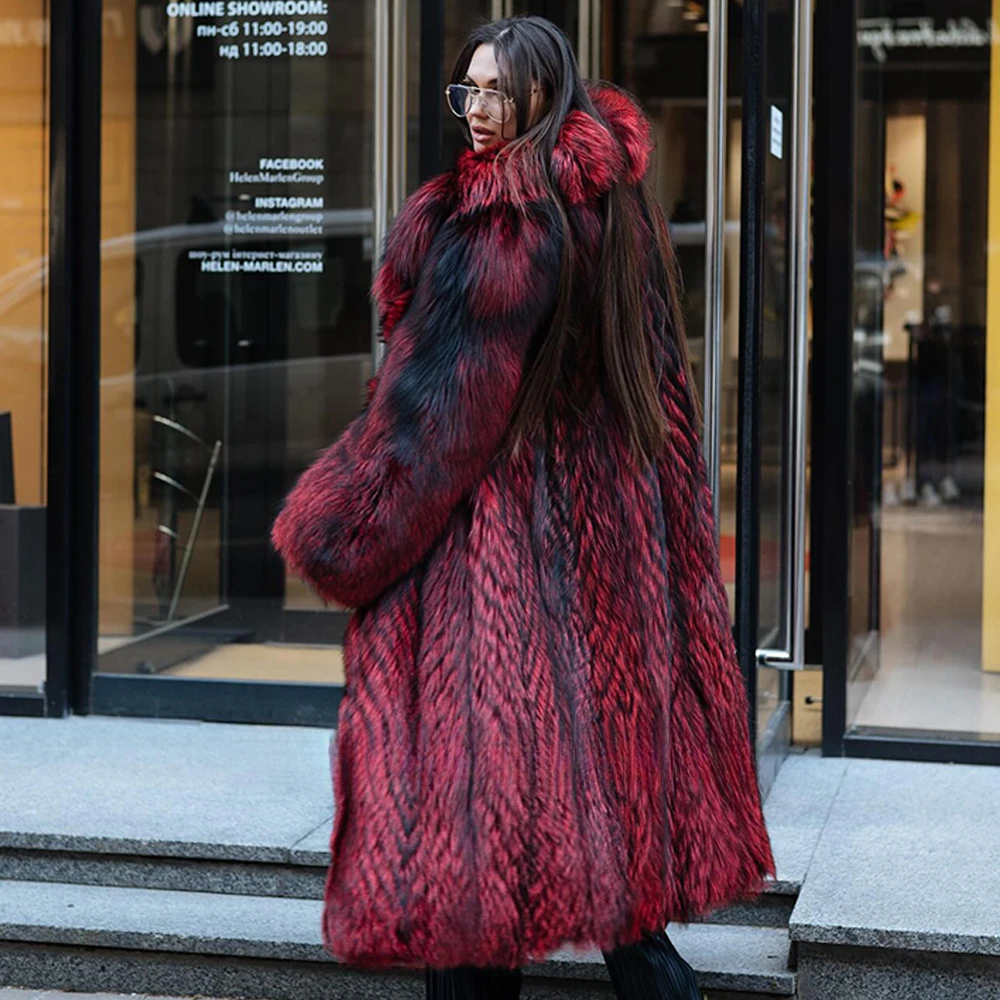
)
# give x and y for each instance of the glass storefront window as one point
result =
(24, 138)
(925, 597)
(238, 243)
(662, 59)
(237, 252)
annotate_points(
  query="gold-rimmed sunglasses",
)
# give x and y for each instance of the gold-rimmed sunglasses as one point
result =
(462, 99)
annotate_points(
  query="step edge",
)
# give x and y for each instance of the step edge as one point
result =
(582, 969)
(196, 850)
(877, 939)
(162, 975)
(204, 875)
(142, 941)
(134, 847)
(298, 931)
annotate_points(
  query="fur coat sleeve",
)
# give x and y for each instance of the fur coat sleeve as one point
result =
(460, 296)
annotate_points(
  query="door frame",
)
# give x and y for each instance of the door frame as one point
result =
(833, 298)
(74, 353)
(790, 655)
(836, 88)
(748, 454)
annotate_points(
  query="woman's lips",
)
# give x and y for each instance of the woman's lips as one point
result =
(482, 134)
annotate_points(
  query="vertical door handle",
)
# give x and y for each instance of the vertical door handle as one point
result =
(715, 239)
(390, 123)
(791, 656)
(380, 149)
(399, 111)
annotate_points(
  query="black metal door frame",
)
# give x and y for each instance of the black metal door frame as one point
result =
(74, 359)
(754, 155)
(833, 311)
(836, 90)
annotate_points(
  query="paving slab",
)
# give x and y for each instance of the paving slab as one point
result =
(909, 859)
(162, 788)
(750, 959)
(745, 959)
(314, 849)
(21, 994)
(796, 811)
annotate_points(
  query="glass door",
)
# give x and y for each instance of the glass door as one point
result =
(727, 87)
(923, 587)
(682, 60)
(252, 167)
(774, 362)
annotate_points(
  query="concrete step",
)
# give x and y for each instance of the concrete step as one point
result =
(100, 938)
(14, 993)
(244, 878)
(241, 809)
(901, 894)
(300, 874)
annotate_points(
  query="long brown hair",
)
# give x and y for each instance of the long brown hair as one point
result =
(530, 52)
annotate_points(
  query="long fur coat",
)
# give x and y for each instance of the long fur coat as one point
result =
(543, 738)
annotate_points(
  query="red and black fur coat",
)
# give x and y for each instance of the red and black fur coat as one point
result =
(543, 738)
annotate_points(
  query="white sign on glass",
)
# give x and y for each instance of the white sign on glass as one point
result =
(777, 132)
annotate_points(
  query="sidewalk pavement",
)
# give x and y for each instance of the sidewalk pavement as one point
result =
(16, 994)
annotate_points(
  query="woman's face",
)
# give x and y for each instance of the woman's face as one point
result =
(486, 132)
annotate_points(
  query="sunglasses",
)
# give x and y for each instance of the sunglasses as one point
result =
(462, 99)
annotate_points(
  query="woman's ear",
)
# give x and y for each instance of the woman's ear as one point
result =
(539, 105)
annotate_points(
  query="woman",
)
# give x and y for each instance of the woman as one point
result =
(543, 738)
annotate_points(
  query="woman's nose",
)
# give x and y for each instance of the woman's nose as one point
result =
(477, 106)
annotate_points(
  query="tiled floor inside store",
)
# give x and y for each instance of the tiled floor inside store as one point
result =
(931, 615)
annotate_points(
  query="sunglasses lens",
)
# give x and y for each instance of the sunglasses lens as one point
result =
(458, 100)
(493, 105)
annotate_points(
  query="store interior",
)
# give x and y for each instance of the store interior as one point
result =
(932, 665)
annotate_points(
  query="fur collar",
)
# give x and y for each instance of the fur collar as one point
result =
(587, 160)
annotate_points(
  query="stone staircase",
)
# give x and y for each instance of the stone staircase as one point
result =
(189, 942)
(188, 859)
(902, 895)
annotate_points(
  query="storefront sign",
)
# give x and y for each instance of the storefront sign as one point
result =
(268, 214)
(259, 29)
(882, 35)
(269, 231)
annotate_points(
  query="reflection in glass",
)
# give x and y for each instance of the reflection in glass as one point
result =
(24, 222)
(236, 329)
(662, 58)
(236, 335)
(925, 602)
